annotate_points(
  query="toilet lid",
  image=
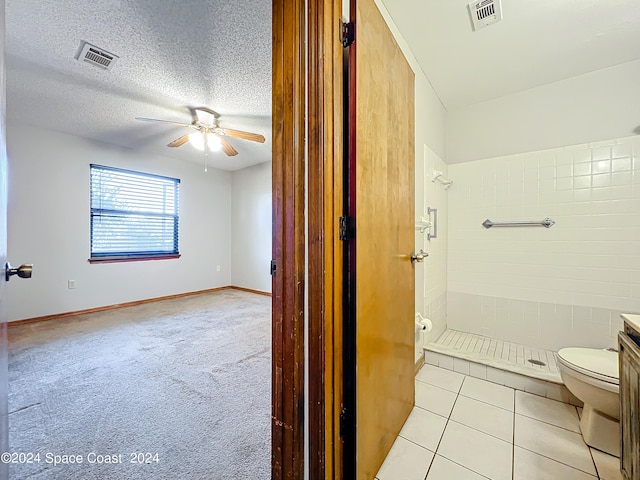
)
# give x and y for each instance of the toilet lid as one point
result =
(601, 363)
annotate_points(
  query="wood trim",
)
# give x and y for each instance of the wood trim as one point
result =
(57, 316)
(288, 284)
(325, 206)
(134, 259)
(250, 290)
(419, 363)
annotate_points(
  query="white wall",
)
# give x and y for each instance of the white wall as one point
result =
(251, 227)
(48, 215)
(431, 299)
(430, 118)
(597, 106)
(554, 287)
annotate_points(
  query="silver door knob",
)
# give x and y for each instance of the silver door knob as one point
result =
(23, 271)
(419, 257)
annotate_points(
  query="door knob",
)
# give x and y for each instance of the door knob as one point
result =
(23, 271)
(419, 257)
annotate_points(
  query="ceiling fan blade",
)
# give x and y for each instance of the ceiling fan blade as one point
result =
(179, 141)
(227, 148)
(254, 137)
(163, 121)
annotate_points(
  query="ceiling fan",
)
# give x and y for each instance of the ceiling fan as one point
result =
(208, 135)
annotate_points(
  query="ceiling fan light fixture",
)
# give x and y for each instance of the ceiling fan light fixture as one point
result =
(213, 141)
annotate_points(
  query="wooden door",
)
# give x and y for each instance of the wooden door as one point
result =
(4, 374)
(381, 203)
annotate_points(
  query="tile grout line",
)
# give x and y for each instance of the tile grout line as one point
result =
(558, 461)
(445, 428)
(547, 423)
(480, 431)
(595, 465)
(449, 420)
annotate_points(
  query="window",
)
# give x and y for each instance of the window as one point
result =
(134, 215)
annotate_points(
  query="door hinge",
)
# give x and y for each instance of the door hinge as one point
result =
(273, 267)
(347, 33)
(346, 228)
(343, 421)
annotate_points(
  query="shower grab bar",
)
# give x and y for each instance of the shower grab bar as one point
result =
(434, 223)
(547, 223)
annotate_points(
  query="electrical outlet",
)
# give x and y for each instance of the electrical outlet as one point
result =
(71, 284)
(218, 268)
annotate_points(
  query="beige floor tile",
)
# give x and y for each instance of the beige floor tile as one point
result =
(424, 428)
(434, 399)
(531, 466)
(547, 410)
(553, 442)
(488, 392)
(406, 461)
(487, 418)
(477, 451)
(444, 469)
(441, 377)
(608, 466)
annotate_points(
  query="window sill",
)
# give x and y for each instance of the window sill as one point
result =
(132, 259)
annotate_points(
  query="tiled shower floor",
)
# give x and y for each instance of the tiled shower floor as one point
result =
(507, 356)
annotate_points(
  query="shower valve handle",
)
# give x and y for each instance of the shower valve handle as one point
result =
(419, 257)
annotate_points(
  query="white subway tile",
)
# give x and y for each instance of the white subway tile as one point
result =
(496, 375)
(581, 156)
(564, 170)
(461, 366)
(514, 380)
(477, 370)
(586, 259)
(582, 182)
(548, 173)
(601, 180)
(446, 362)
(564, 183)
(564, 157)
(432, 358)
(600, 166)
(621, 165)
(582, 169)
(557, 392)
(535, 386)
(601, 153)
(621, 150)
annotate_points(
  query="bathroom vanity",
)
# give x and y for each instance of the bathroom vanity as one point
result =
(629, 357)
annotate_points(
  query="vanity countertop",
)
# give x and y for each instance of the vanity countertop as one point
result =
(632, 320)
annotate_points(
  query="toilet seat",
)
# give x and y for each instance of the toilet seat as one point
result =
(594, 363)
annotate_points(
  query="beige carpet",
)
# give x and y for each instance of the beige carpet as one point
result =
(187, 379)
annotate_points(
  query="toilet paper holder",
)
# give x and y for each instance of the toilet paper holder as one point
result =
(423, 323)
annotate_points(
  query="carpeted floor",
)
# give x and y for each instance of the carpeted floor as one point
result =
(187, 379)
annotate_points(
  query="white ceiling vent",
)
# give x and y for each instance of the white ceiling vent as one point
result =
(96, 56)
(484, 13)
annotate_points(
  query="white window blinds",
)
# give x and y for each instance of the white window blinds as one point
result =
(134, 215)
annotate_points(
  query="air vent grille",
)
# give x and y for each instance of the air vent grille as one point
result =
(484, 13)
(96, 56)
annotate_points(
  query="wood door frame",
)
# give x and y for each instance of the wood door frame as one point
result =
(325, 206)
(321, 99)
(288, 280)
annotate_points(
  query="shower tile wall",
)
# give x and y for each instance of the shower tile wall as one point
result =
(549, 288)
(431, 275)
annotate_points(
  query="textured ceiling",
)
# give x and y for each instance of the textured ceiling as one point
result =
(537, 42)
(173, 55)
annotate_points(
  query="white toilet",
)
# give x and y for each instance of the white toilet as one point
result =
(592, 376)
